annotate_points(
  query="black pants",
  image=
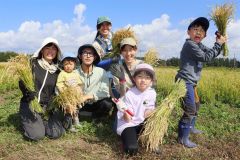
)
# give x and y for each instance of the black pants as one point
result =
(35, 128)
(129, 138)
(100, 108)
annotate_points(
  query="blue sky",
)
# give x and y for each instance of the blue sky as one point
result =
(158, 24)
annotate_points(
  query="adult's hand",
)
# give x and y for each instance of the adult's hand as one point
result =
(28, 95)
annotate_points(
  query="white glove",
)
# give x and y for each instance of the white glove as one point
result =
(121, 106)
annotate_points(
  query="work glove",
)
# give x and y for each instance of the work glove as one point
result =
(28, 95)
(121, 106)
(118, 71)
(116, 59)
(106, 63)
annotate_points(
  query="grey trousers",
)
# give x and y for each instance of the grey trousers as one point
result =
(35, 128)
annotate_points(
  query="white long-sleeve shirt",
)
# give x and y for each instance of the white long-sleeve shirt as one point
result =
(137, 102)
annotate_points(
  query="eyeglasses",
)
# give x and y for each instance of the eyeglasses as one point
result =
(88, 54)
(198, 30)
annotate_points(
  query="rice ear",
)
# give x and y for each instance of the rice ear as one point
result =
(70, 99)
(156, 126)
(221, 15)
(118, 36)
(151, 56)
(22, 67)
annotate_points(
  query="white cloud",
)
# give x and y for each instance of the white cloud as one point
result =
(186, 22)
(30, 34)
(78, 11)
(159, 34)
(234, 38)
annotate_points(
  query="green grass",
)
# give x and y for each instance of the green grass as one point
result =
(218, 118)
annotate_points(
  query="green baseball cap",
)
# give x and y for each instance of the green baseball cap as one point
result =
(103, 19)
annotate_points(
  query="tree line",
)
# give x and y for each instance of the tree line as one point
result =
(217, 62)
(5, 56)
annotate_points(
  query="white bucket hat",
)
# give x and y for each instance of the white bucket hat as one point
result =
(47, 41)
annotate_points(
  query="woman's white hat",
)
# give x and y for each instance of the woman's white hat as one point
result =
(47, 41)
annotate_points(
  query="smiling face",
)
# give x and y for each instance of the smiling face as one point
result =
(143, 80)
(129, 52)
(49, 52)
(196, 33)
(105, 29)
(87, 56)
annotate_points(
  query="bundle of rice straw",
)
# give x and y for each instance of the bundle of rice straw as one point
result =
(151, 56)
(221, 15)
(70, 99)
(22, 67)
(118, 36)
(156, 126)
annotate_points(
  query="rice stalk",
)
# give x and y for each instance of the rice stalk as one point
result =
(151, 57)
(118, 36)
(156, 126)
(70, 99)
(20, 66)
(221, 15)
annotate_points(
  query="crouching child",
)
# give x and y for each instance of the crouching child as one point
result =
(137, 104)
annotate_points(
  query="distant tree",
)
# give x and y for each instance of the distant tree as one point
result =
(5, 56)
(173, 62)
(223, 62)
(161, 62)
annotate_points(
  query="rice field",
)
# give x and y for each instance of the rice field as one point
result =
(216, 84)
(219, 118)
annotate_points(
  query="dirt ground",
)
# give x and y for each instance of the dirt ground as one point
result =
(78, 147)
(93, 148)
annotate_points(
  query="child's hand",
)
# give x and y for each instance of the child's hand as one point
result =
(121, 106)
(220, 39)
(148, 112)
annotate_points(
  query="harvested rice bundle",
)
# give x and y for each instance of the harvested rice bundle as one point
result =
(221, 15)
(157, 123)
(118, 37)
(22, 67)
(70, 99)
(151, 57)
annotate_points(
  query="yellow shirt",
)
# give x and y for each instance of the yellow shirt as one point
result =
(68, 79)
